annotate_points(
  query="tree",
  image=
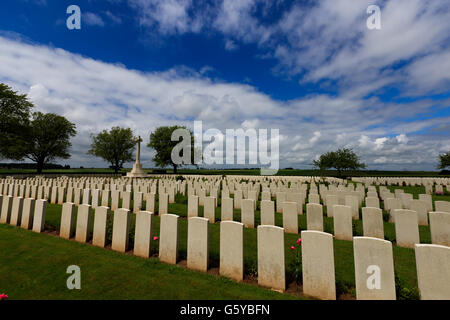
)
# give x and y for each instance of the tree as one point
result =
(115, 146)
(14, 123)
(49, 138)
(161, 142)
(341, 160)
(444, 160)
(325, 161)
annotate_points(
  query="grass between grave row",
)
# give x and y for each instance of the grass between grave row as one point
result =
(404, 258)
(33, 266)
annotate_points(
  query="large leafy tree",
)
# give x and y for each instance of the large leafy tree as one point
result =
(161, 142)
(14, 123)
(325, 161)
(49, 138)
(115, 146)
(341, 160)
(444, 160)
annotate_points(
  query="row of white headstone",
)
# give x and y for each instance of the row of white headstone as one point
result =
(373, 258)
(406, 225)
(406, 229)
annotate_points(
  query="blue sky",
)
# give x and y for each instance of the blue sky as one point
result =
(309, 68)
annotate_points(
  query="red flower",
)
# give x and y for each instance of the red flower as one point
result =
(292, 248)
(299, 241)
(3, 296)
(155, 238)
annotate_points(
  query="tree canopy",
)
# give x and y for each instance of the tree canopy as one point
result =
(444, 160)
(341, 160)
(161, 142)
(115, 146)
(14, 123)
(49, 138)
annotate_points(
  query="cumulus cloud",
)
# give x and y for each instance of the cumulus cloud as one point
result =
(402, 138)
(326, 40)
(92, 19)
(167, 16)
(97, 95)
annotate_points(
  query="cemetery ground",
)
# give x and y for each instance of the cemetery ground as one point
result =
(111, 275)
(243, 172)
(36, 270)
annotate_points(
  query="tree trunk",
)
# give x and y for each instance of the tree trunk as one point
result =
(39, 166)
(116, 167)
(174, 168)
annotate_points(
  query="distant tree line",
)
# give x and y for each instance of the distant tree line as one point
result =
(28, 166)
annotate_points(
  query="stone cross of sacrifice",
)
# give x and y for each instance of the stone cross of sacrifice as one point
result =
(138, 154)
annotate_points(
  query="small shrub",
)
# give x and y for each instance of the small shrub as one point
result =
(251, 268)
(342, 287)
(404, 292)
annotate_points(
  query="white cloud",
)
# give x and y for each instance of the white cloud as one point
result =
(230, 45)
(315, 137)
(326, 40)
(331, 41)
(364, 141)
(97, 96)
(92, 19)
(169, 16)
(250, 124)
(379, 142)
(402, 138)
(114, 18)
(380, 160)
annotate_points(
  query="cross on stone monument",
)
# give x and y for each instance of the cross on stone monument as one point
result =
(138, 153)
(137, 171)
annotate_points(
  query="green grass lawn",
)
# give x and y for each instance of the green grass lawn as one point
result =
(33, 266)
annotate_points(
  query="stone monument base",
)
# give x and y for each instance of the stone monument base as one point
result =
(137, 172)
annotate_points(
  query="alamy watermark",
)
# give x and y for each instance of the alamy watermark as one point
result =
(213, 147)
(74, 20)
(374, 21)
(74, 281)
(374, 280)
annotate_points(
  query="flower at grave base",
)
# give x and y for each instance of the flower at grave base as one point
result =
(155, 238)
(3, 296)
(299, 241)
(292, 248)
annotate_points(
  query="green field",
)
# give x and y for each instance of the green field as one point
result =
(33, 266)
(404, 258)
